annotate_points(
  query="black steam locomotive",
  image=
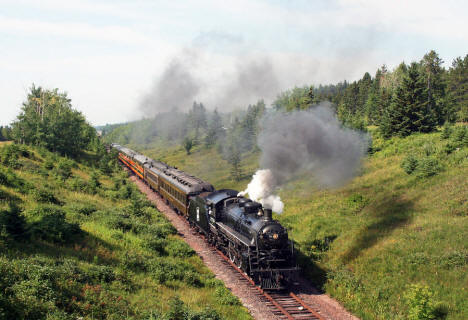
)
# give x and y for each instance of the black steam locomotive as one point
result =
(238, 226)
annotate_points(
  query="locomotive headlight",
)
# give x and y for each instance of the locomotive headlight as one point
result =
(275, 236)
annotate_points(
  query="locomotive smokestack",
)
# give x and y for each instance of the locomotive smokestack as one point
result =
(268, 215)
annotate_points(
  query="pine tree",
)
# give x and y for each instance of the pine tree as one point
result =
(458, 87)
(409, 111)
(215, 130)
(433, 74)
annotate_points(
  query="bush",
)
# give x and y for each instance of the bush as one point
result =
(132, 261)
(84, 209)
(156, 245)
(9, 179)
(45, 196)
(179, 311)
(446, 131)
(224, 296)
(449, 148)
(459, 133)
(428, 167)
(94, 182)
(409, 164)
(419, 300)
(50, 225)
(119, 220)
(48, 164)
(64, 168)
(178, 248)
(164, 270)
(78, 184)
(10, 154)
(12, 224)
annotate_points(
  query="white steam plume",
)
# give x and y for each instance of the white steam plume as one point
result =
(261, 189)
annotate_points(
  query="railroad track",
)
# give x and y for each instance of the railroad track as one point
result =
(283, 304)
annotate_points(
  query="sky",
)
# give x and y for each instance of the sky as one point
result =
(113, 57)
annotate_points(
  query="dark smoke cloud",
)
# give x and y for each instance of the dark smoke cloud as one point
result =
(183, 82)
(310, 142)
(255, 79)
(176, 89)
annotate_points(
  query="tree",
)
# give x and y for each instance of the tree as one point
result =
(409, 111)
(215, 129)
(188, 144)
(433, 74)
(197, 118)
(47, 119)
(458, 87)
(234, 159)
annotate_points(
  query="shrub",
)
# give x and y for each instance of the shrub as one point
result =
(177, 310)
(164, 270)
(94, 182)
(45, 196)
(419, 300)
(12, 224)
(224, 296)
(48, 164)
(428, 167)
(459, 133)
(160, 230)
(120, 221)
(178, 248)
(125, 192)
(156, 245)
(9, 179)
(64, 168)
(356, 202)
(132, 261)
(77, 184)
(446, 131)
(100, 274)
(84, 209)
(50, 225)
(10, 154)
(409, 164)
(449, 148)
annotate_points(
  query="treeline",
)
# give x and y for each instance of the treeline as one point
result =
(5, 133)
(411, 98)
(232, 134)
(47, 119)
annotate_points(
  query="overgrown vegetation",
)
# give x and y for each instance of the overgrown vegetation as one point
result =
(82, 242)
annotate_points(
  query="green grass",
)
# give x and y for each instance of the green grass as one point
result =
(367, 242)
(105, 269)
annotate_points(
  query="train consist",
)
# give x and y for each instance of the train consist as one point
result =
(238, 226)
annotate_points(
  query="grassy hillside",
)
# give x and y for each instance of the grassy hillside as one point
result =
(389, 244)
(76, 242)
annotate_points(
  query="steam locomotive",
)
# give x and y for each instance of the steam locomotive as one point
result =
(239, 227)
